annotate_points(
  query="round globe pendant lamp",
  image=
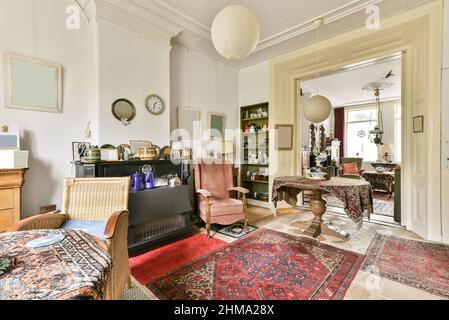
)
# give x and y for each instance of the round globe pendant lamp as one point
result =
(235, 32)
(317, 109)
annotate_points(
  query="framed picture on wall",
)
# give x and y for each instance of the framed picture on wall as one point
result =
(136, 145)
(32, 84)
(418, 124)
(284, 137)
(187, 117)
(217, 125)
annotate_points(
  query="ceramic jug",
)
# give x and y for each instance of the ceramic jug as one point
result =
(149, 180)
(137, 183)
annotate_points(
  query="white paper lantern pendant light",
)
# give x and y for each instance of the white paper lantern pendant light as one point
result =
(235, 32)
(318, 108)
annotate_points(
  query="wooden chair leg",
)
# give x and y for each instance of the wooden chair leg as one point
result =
(208, 230)
(245, 208)
(208, 218)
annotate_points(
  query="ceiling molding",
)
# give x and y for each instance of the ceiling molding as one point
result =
(177, 17)
(329, 17)
(82, 5)
(188, 23)
(125, 14)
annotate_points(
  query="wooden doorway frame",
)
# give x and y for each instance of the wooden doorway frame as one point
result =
(418, 35)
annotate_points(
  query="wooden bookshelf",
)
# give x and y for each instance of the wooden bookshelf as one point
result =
(255, 143)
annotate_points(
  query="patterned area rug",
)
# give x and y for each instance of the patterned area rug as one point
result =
(417, 264)
(265, 265)
(237, 231)
(158, 262)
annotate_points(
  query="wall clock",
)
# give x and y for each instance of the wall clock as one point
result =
(155, 104)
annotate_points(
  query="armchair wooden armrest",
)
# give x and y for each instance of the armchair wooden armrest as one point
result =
(112, 224)
(116, 235)
(239, 189)
(40, 222)
(204, 193)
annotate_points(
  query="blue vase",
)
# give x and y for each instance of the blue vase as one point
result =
(137, 183)
(149, 180)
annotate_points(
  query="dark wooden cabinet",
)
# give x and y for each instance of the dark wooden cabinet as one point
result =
(156, 216)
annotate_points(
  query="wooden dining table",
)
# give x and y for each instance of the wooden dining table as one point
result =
(78, 267)
(356, 195)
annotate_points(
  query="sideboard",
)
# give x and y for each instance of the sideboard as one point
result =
(11, 182)
(156, 216)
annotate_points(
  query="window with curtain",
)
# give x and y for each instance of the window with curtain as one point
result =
(359, 122)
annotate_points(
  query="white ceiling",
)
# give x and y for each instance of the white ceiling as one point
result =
(275, 16)
(286, 25)
(345, 88)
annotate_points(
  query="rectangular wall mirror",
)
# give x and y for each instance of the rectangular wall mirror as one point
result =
(32, 84)
(217, 124)
(186, 118)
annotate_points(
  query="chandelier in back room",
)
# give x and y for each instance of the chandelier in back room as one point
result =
(376, 134)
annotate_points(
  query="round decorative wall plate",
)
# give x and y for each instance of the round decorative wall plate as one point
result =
(155, 104)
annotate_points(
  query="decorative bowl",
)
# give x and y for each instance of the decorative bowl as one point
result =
(380, 169)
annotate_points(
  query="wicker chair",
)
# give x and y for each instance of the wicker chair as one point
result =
(95, 199)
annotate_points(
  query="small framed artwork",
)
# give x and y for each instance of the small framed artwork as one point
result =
(284, 137)
(78, 149)
(418, 124)
(136, 145)
(10, 140)
(32, 84)
(217, 124)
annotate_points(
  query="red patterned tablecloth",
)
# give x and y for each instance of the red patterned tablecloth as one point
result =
(75, 268)
(357, 195)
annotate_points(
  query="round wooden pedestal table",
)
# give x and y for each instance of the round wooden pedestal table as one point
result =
(357, 196)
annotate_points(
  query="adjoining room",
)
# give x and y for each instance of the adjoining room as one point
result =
(364, 128)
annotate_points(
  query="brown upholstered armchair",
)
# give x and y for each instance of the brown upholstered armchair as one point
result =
(213, 183)
(102, 199)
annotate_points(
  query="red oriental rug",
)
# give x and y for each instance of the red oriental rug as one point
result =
(417, 264)
(265, 265)
(158, 262)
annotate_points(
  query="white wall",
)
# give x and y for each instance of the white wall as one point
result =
(101, 63)
(202, 82)
(445, 128)
(254, 84)
(37, 29)
(132, 67)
